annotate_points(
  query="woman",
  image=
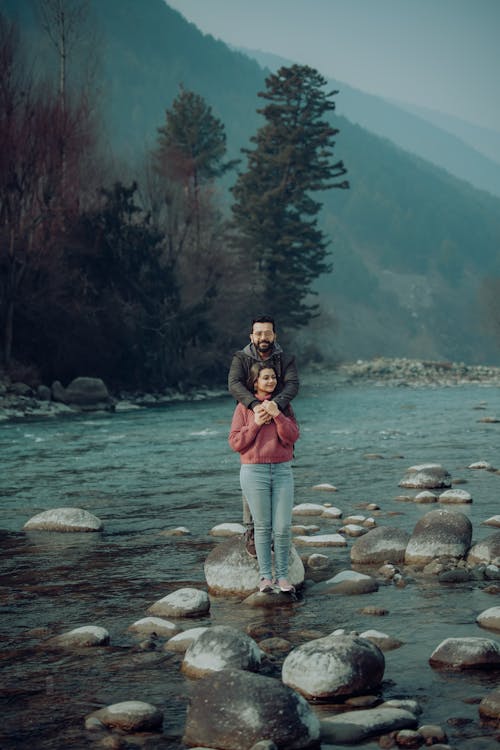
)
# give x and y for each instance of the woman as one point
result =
(264, 438)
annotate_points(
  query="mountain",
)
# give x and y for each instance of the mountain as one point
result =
(411, 242)
(466, 151)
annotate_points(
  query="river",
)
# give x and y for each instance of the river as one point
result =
(144, 472)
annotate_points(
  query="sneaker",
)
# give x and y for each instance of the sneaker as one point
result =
(266, 585)
(250, 542)
(285, 587)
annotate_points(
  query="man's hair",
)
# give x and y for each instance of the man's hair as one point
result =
(263, 319)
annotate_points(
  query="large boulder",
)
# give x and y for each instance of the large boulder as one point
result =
(234, 710)
(426, 477)
(466, 653)
(380, 545)
(338, 665)
(221, 647)
(88, 394)
(487, 551)
(64, 519)
(440, 533)
(489, 619)
(230, 570)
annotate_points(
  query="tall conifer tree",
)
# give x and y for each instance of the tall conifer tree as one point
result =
(274, 213)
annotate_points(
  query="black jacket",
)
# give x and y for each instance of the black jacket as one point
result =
(286, 369)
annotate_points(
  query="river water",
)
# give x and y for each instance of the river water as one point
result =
(144, 472)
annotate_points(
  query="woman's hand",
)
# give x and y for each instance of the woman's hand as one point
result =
(271, 408)
(261, 415)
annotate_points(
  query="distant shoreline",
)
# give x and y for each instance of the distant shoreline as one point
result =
(380, 370)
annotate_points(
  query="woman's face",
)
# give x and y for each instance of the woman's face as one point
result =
(266, 382)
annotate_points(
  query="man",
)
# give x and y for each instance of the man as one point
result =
(263, 348)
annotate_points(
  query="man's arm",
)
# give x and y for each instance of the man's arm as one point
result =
(236, 383)
(290, 380)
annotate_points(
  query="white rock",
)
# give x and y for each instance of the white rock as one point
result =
(64, 519)
(221, 647)
(308, 509)
(332, 513)
(455, 496)
(325, 487)
(129, 716)
(82, 637)
(156, 625)
(181, 641)
(185, 602)
(227, 529)
(489, 619)
(492, 521)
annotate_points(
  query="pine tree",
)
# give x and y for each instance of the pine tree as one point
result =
(274, 214)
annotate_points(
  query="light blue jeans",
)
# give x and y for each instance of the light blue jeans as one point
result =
(268, 489)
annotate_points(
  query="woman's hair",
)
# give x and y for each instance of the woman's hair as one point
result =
(254, 373)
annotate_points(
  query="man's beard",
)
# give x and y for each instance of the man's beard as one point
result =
(264, 346)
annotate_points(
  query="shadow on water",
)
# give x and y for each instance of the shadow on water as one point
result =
(148, 472)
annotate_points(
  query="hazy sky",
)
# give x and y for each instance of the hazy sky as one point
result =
(441, 54)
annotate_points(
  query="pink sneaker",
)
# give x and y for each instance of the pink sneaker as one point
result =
(265, 585)
(285, 586)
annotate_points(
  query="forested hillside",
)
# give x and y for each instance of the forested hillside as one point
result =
(411, 246)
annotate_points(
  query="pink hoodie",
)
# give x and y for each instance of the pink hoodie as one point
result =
(262, 444)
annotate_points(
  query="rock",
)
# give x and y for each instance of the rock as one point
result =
(337, 665)
(83, 637)
(88, 394)
(426, 497)
(332, 513)
(320, 540)
(489, 619)
(487, 551)
(466, 653)
(489, 708)
(426, 476)
(382, 640)
(432, 734)
(185, 602)
(64, 519)
(325, 487)
(348, 582)
(304, 529)
(380, 545)
(43, 393)
(58, 392)
(492, 521)
(308, 509)
(129, 716)
(21, 389)
(408, 704)
(234, 710)
(178, 531)
(230, 570)
(477, 465)
(439, 533)
(318, 562)
(227, 529)
(409, 738)
(154, 625)
(353, 727)
(353, 530)
(181, 642)
(221, 647)
(455, 496)
(275, 645)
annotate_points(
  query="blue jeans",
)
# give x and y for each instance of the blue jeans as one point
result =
(268, 489)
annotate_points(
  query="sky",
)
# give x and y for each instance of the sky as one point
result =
(439, 54)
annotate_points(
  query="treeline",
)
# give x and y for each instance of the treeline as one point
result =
(150, 281)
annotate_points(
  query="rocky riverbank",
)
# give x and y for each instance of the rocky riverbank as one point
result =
(20, 400)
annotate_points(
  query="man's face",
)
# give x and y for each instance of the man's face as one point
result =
(263, 337)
